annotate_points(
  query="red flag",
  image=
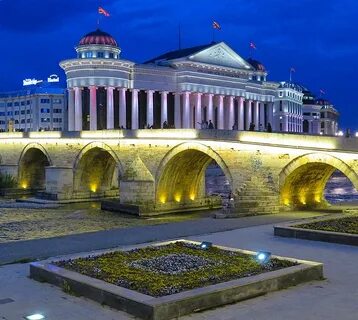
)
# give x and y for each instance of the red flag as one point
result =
(252, 45)
(104, 12)
(216, 25)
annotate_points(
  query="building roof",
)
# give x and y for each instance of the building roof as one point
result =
(291, 85)
(43, 88)
(257, 65)
(177, 54)
(98, 37)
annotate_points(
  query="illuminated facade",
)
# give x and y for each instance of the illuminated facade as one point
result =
(39, 106)
(319, 115)
(181, 89)
(288, 108)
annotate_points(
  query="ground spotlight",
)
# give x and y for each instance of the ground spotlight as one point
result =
(263, 257)
(36, 316)
(205, 245)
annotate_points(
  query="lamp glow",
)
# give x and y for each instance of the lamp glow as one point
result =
(205, 245)
(263, 257)
(36, 316)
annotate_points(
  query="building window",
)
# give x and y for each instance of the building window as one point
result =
(23, 121)
(45, 119)
(22, 103)
(111, 55)
(45, 100)
(28, 102)
(280, 126)
(280, 105)
(57, 101)
(16, 104)
(28, 111)
(28, 120)
(9, 113)
(45, 110)
(57, 110)
(9, 104)
(57, 120)
(16, 113)
(89, 54)
(100, 54)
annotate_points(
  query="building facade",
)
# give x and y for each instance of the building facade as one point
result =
(319, 115)
(183, 89)
(40, 106)
(288, 115)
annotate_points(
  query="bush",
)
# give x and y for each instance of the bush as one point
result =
(7, 181)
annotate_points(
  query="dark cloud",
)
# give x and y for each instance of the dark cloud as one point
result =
(317, 37)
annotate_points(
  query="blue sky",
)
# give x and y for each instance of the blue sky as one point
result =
(317, 37)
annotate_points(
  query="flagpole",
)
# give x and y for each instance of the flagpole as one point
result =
(290, 75)
(179, 36)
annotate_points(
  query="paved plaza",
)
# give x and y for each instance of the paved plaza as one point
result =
(333, 298)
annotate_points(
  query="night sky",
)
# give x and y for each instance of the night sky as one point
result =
(316, 37)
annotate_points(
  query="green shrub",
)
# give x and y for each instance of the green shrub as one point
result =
(7, 181)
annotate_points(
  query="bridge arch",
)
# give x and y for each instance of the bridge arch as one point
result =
(32, 164)
(303, 180)
(96, 169)
(181, 174)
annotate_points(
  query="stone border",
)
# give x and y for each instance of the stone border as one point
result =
(292, 231)
(186, 302)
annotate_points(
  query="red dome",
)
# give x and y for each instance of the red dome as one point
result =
(98, 37)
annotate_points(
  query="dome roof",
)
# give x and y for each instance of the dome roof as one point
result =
(258, 66)
(98, 37)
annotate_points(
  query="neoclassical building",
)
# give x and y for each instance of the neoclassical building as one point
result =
(182, 88)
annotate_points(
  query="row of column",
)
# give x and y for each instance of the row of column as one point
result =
(183, 108)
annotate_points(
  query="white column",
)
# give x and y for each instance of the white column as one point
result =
(164, 107)
(262, 116)
(71, 110)
(186, 110)
(135, 120)
(231, 113)
(177, 111)
(78, 109)
(110, 108)
(122, 108)
(198, 111)
(210, 109)
(93, 108)
(241, 120)
(248, 114)
(150, 114)
(221, 113)
(256, 114)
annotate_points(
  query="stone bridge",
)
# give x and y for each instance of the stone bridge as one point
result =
(164, 170)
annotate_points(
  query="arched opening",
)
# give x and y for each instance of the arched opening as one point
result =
(32, 172)
(184, 178)
(306, 127)
(339, 189)
(96, 172)
(303, 182)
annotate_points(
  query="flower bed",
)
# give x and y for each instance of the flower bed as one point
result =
(344, 225)
(169, 269)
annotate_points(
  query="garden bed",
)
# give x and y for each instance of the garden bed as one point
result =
(175, 278)
(340, 229)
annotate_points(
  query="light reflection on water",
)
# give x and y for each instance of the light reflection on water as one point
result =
(338, 188)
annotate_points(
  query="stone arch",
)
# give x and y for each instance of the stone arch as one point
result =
(96, 169)
(181, 174)
(32, 164)
(303, 180)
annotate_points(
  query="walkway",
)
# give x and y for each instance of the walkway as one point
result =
(43, 248)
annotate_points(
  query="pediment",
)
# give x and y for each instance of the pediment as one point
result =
(220, 55)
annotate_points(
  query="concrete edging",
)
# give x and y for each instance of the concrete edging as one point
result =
(186, 302)
(292, 231)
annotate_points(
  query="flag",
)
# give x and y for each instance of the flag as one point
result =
(252, 45)
(216, 25)
(104, 12)
(322, 91)
(292, 69)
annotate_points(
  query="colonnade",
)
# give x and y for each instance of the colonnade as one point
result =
(190, 110)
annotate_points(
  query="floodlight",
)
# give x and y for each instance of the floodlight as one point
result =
(36, 316)
(263, 257)
(205, 245)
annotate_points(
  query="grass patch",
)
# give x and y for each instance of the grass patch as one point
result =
(141, 269)
(344, 225)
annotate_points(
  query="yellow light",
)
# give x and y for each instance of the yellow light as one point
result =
(163, 198)
(177, 197)
(93, 187)
(45, 134)
(286, 202)
(167, 133)
(317, 198)
(192, 196)
(105, 134)
(24, 185)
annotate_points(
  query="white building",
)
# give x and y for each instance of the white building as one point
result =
(288, 108)
(38, 106)
(319, 115)
(182, 88)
